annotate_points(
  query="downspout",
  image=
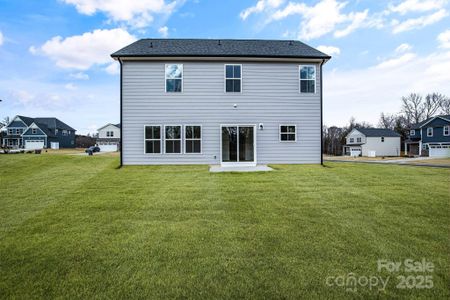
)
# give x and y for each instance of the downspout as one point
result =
(121, 112)
(321, 113)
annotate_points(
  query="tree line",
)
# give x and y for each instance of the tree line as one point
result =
(415, 109)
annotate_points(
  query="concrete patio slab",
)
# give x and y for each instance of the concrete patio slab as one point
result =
(258, 168)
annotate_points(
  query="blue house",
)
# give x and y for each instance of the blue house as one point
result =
(38, 133)
(430, 138)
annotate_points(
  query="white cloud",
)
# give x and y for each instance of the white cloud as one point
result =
(330, 50)
(324, 17)
(380, 88)
(260, 6)
(79, 76)
(81, 52)
(415, 23)
(444, 39)
(403, 48)
(1, 38)
(397, 61)
(22, 96)
(70, 86)
(113, 68)
(408, 6)
(164, 31)
(135, 13)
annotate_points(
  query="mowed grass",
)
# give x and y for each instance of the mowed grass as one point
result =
(78, 227)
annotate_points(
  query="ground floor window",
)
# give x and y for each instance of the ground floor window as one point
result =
(173, 139)
(152, 139)
(193, 139)
(288, 133)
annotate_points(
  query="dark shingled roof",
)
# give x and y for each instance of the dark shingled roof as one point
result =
(420, 124)
(378, 132)
(28, 121)
(53, 123)
(219, 48)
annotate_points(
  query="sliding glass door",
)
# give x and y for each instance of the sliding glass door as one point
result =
(238, 145)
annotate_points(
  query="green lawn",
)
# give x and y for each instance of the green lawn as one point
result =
(79, 227)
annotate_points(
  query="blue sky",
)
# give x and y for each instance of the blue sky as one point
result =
(54, 54)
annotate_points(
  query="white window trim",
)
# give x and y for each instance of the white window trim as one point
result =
(351, 140)
(358, 139)
(160, 139)
(194, 139)
(182, 79)
(34, 131)
(428, 131)
(279, 133)
(180, 139)
(315, 79)
(448, 130)
(412, 132)
(225, 78)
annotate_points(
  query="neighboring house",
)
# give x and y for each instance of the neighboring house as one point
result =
(229, 102)
(38, 133)
(108, 137)
(372, 142)
(430, 137)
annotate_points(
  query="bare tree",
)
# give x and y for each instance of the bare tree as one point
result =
(445, 106)
(413, 108)
(432, 104)
(387, 121)
(4, 122)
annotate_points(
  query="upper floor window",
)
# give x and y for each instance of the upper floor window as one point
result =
(307, 79)
(56, 131)
(19, 131)
(430, 131)
(10, 131)
(152, 139)
(193, 139)
(173, 139)
(446, 130)
(288, 133)
(358, 140)
(33, 130)
(352, 140)
(412, 132)
(64, 132)
(382, 139)
(110, 133)
(233, 78)
(174, 78)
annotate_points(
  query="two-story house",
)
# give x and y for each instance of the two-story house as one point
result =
(372, 142)
(228, 102)
(38, 133)
(108, 137)
(430, 137)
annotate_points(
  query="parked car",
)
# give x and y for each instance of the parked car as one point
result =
(92, 149)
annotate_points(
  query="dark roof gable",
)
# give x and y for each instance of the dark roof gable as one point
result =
(420, 124)
(378, 132)
(53, 123)
(219, 48)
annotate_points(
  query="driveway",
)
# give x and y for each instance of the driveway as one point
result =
(412, 161)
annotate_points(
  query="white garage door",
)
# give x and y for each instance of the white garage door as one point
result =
(355, 151)
(34, 144)
(440, 151)
(107, 148)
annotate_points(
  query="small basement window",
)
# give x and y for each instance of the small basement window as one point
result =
(233, 78)
(174, 78)
(193, 139)
(173, 139)
(152, 139)
(288, 133)
(307, 79)
(430, 131)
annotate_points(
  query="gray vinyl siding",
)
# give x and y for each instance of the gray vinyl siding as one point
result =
(270, 95)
